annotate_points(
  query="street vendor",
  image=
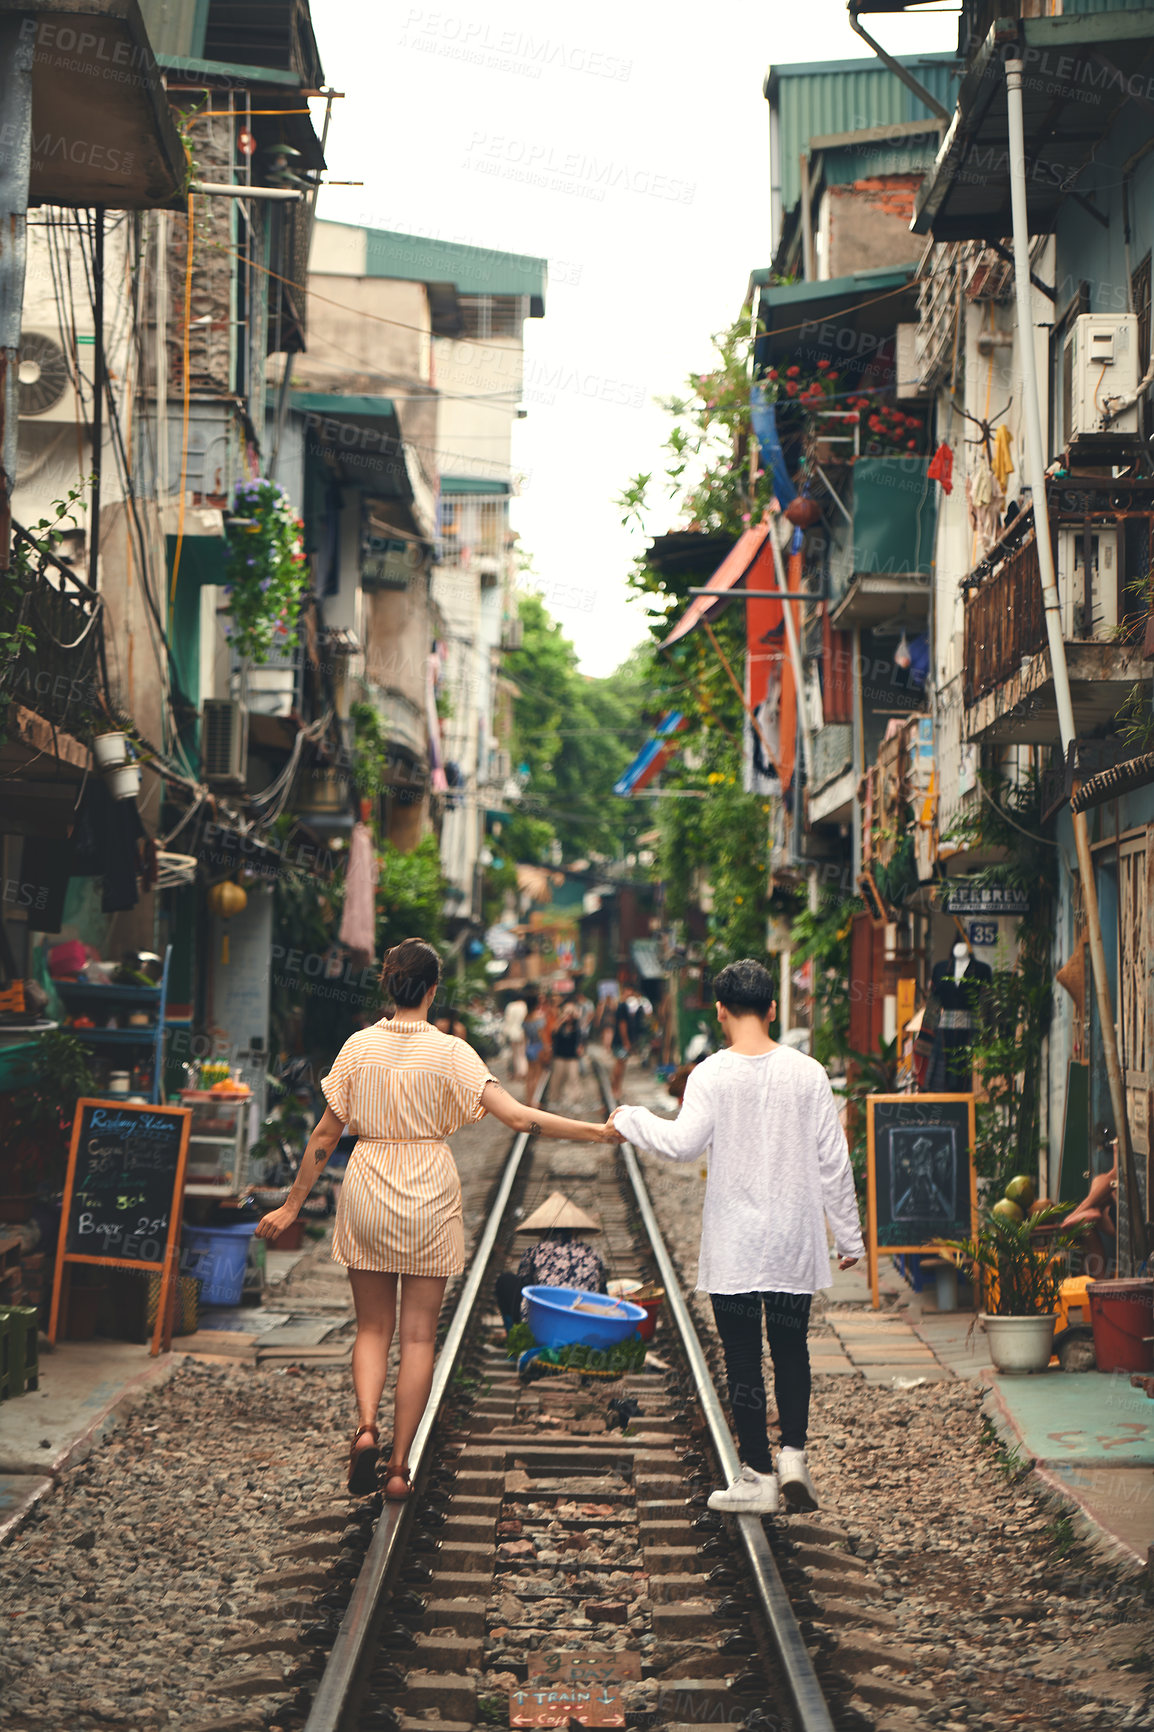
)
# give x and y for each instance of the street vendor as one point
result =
(560, 1258)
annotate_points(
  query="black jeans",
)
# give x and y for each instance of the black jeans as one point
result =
(738, 1318)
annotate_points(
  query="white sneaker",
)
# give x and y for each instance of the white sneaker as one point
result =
(797, 1488)
(751, 1493)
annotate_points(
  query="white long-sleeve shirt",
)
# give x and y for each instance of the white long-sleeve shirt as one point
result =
(778, 1168)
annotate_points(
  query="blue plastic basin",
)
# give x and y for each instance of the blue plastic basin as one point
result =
(554, 1323)
(216, 1256)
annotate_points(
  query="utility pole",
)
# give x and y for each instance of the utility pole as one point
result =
(17, 51)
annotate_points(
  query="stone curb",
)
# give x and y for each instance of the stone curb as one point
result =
(1058, 1495)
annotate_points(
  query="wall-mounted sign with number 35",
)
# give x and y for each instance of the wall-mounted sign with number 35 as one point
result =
(982, 932)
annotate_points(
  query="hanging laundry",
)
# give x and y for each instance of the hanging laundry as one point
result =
(985, 499)
(358, 919)
(1003, 460)
(942, 468)
(902, 653)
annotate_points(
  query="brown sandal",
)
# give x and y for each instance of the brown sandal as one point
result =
(394, 1472)
(363, 1462)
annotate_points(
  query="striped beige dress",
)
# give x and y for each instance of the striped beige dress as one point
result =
(401, 1089)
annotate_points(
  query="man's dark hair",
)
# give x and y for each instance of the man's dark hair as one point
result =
(745, 987)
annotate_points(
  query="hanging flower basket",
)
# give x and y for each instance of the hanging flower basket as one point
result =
(268, 573)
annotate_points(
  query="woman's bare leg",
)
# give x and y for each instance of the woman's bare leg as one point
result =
(375, 1299)
(421, 1297)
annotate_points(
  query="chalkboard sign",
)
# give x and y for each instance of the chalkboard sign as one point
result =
(921, 1179)
(122, 1196)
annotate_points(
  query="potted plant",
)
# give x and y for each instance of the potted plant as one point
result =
(1021, 1270)
(267, 570)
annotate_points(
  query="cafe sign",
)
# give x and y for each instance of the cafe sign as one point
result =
(987, 900)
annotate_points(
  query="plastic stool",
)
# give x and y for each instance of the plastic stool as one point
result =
(23, 1355)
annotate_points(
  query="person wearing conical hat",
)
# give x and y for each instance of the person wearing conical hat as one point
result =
(560, 1258)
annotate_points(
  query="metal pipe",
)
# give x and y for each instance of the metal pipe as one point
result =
(896, 67)
(812, 1711)
(17, 46)
(221, 189)
(98, 367)
(1034, 466)
(333, 1699)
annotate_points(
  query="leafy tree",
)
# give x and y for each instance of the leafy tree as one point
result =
(572, 738)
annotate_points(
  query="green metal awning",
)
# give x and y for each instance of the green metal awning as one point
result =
(833, 319)
(1079, 72)
(458, 484)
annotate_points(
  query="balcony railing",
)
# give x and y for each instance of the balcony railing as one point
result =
(1102, 533)
(1005, 621)
(51, 628)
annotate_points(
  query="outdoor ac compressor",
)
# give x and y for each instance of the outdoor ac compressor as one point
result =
(1099, 361)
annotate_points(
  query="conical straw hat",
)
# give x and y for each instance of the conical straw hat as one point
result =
(558, 1211)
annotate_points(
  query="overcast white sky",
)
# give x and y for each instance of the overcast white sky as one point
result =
(459, 125)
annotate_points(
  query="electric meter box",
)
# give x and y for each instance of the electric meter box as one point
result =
(1100, 361)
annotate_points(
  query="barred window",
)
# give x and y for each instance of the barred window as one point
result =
(493, 315)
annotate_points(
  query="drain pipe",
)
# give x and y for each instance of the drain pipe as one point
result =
(1034, 465)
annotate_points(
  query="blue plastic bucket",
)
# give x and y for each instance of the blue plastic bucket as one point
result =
(216, 1257)
(601, 1322)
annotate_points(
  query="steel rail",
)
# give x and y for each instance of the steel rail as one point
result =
(808, 1699)
(335, 1701)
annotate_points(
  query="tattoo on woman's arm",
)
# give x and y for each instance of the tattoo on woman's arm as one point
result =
(534, 1128)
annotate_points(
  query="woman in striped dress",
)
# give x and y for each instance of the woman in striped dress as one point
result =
(402, 1087)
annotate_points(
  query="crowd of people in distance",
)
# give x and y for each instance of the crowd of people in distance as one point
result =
(542, 1030)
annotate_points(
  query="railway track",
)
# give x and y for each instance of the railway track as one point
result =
(556, 1563)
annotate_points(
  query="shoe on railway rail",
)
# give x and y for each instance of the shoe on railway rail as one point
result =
(797, 1488)
(751, 1493)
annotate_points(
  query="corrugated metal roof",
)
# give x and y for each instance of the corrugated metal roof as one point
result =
(471, 270)
(817, 98)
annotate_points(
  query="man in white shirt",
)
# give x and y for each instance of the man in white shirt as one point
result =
(778, 1169)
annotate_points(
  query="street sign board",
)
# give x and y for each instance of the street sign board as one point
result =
(122, 1195)
(922, 1186)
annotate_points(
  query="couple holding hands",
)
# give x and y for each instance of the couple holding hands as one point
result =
(779, 1168)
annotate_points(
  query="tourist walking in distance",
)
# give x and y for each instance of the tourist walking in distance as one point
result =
(402, 1087)
(778, 1170)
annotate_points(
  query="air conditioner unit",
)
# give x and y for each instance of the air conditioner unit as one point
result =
(1100, 361)
(223, 743)
(46, 380)
(1092, 615)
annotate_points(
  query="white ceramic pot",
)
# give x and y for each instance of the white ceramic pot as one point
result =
(1020, 1344)
(110, 750)
(124, 782)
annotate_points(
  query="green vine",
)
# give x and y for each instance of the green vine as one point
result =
(267, 570)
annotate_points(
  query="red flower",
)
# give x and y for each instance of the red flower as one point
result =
(875, 424)
(772, 374)
(792, 372)
(853, 420)
(822, 365)
(833, 378)
(912, 446)
(791, 390)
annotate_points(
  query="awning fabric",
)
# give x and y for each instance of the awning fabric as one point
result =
(646, 960)
(652, 757)
(734, 569)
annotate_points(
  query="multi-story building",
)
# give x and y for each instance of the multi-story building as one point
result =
(430, 333)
